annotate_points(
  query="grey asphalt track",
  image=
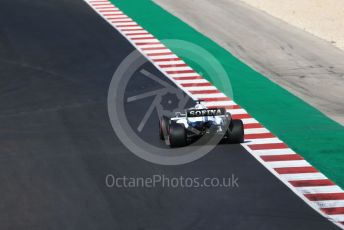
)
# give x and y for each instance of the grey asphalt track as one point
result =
(305, 65)
(57, 58)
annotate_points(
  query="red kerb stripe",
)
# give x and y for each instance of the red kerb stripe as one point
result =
(142, 33)
(204, 91)
(259, 135)
(160, 54)
(306, 183)
(241, 116)
(147, 43)
(109, 10)
(196, 84)
(226, 107)
(295, 170)
(188, 78)
(253, 126)
(180, 71)
(173, 65)
(325, 196)
(215, 99)
(165, 59)
(142, 38)
(333, 211)
(268, 146)
(128, 26)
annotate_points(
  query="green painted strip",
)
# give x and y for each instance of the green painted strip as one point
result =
(306, 130)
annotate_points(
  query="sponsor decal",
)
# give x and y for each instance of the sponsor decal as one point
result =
(206, 112)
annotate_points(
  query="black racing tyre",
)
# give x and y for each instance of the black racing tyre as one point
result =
(177, 135)
(235, 132)
(163, 127)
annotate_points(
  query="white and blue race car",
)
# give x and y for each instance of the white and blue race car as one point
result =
(197, 122)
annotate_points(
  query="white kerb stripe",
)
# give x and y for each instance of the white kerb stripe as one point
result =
(146, 40)
(176, 68)
(125, 24)
(140, 36)
(284, 164)
(184, 74)
(109, 15)
(262, 141)
(149, 45)
(212, 95)
(117, 16)
(337, 218)
(330, 203)
(130, 27)
(319, 189)
(249, 121)
(257, 130)
(237, 111)
(181, 81)
(200, 88)
(272, 152)
(162, 50)
(170, 62)
(303, 176)
(219, 103)
(120, 20)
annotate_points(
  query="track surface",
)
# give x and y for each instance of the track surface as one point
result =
(57, 144)
(301, 63)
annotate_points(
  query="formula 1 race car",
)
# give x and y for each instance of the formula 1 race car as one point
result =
(197, 122)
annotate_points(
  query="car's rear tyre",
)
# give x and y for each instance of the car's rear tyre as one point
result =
(163, 127)
(177, 135)
(235, 132)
